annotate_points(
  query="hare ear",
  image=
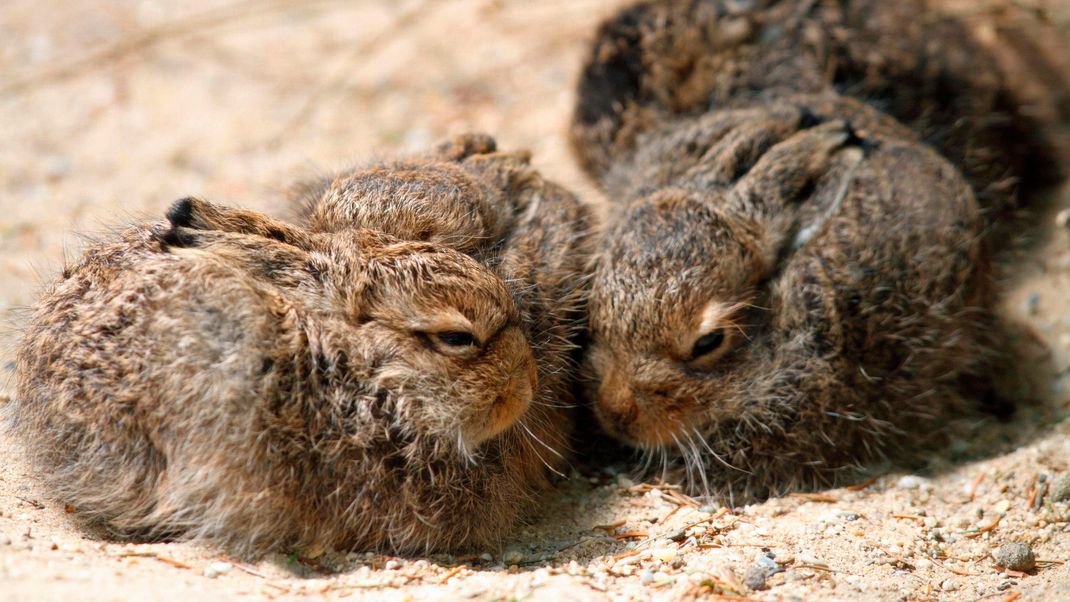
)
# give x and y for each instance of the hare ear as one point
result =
(196, 214)
(782, 178)
(463, 146)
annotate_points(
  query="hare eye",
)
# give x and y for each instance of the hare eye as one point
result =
(456, 339)
(707, 343)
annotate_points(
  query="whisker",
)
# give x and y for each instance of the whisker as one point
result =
(696, 455)
(535, 450)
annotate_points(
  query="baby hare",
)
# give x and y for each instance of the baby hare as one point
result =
(229, 377)
(795, 280)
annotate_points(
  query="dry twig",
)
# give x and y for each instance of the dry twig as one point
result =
(452, 572)
(863, 485)
(823, 498)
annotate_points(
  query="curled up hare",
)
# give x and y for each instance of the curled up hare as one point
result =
(798, 281)
(388, 379)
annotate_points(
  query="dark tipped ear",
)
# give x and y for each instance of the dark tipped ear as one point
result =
(179, 237)
(181, 213)
(180, 216)
(194, 214)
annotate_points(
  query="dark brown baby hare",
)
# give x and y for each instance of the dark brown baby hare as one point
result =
(229, 377)
(798, 273)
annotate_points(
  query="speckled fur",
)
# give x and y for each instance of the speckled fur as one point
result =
(265, 386)
(816, 181)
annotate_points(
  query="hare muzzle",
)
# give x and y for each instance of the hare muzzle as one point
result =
(516, 398)
(634, 411)
(517, 392)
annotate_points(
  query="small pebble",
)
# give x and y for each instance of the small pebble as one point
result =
(646, 577)
(755, 577)
(664, 554)
(391, 565)
(1002, 506)
(1060, 488)
(912, 482)
(216, 569)
(948, 585)
(663, 578)
(512, 556)
(628, 560)
(1015, 556)
(486, 557)
(767, 562)
(763, 567)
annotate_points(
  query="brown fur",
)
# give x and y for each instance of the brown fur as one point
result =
(841, 269)
(260, 385)
(989, 88)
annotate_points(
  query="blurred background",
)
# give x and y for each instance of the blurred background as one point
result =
(111, 109)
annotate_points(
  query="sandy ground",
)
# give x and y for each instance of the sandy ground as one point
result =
(109, 110)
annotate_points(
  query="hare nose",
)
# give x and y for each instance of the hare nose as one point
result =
(523, 383)
(616, 402)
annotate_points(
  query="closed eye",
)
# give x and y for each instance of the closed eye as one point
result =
(456, 338)
(707, 344)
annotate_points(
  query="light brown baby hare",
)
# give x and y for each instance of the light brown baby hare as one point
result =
(229, 377)
(794, 280)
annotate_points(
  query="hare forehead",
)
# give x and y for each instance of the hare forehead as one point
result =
(474, 305)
